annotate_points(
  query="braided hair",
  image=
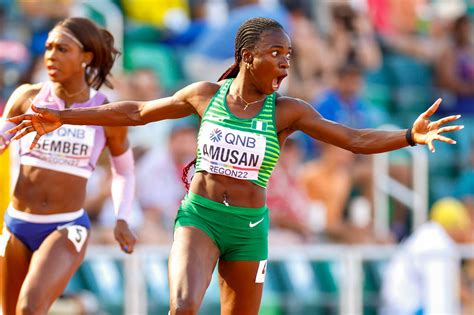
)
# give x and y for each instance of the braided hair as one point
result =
(247, 37)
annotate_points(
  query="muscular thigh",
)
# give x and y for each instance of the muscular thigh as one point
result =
(192, 260)
(241, 285)
(14, 261)
(53, 264)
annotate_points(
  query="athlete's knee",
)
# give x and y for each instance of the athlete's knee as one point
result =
(184, 306)
(28, 305)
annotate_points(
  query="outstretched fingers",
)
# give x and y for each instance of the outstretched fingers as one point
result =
(444, 139)
(431, 146)
(445, 120)
(23, 133)
(439, 138)
(23, 125)
(450, 128)
(433, 108)
(18, 119)
(35, 141)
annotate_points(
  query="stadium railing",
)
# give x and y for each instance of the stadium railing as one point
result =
(386, 187)
(301, 279)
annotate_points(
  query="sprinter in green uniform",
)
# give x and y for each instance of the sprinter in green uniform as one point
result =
(224, 219)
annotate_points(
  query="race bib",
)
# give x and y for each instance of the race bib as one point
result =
(230, 152)
(4, 237)
(77, 234)
(261, 272)
(68, 145)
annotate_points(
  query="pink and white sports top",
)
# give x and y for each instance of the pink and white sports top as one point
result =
(71, 149)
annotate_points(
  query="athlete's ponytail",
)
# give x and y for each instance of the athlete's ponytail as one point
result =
(186, 169)
(231, 72)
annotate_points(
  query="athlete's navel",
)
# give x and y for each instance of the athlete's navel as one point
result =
(225, 199)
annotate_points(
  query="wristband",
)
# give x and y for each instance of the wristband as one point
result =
(409, 138)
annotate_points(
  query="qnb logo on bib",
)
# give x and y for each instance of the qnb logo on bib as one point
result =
(230, 152)
(68, 145)
(216, 135)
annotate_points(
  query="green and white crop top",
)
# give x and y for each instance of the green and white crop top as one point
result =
(242, 148)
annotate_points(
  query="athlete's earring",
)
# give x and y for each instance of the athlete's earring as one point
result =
(248, 66)
(84, 64)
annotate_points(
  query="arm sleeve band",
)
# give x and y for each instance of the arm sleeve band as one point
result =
(4, 126)
(123, 184)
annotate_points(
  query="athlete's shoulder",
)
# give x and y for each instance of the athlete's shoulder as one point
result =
(290, 109)
(27, 90)
(21, 98)
(198, 92)
(204, 87)
(283, 100)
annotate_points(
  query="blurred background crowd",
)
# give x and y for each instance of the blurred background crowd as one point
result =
(364, 63)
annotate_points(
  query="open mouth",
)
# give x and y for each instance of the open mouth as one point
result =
(277, 82)
(52, 71)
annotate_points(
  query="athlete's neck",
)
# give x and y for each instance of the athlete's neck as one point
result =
(245, 89)
(74, 92)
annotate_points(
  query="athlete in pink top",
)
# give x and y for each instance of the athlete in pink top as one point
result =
(46, 230)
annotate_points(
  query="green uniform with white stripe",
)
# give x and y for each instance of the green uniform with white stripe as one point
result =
(241, 148)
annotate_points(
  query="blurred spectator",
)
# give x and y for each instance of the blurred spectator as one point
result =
(312, 65)
(342, 171)
(288, 214)
(327, 180)
(144, 84)
(352, 39)
(14, 56)
(343, 104)
(328, 183)
(159, 186)
(49, 9)
(464, 189)
(171, 14)
(422, 276)
(394, 16)
(467, 287)
(455, 67)
(404, 28)
(197, 24)
(12, 51)
(213, 52)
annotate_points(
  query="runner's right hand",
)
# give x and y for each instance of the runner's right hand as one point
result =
(42, 121)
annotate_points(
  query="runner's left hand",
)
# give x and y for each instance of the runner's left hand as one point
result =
(425, 131)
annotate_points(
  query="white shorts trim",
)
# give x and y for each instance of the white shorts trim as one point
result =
(44, 218)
